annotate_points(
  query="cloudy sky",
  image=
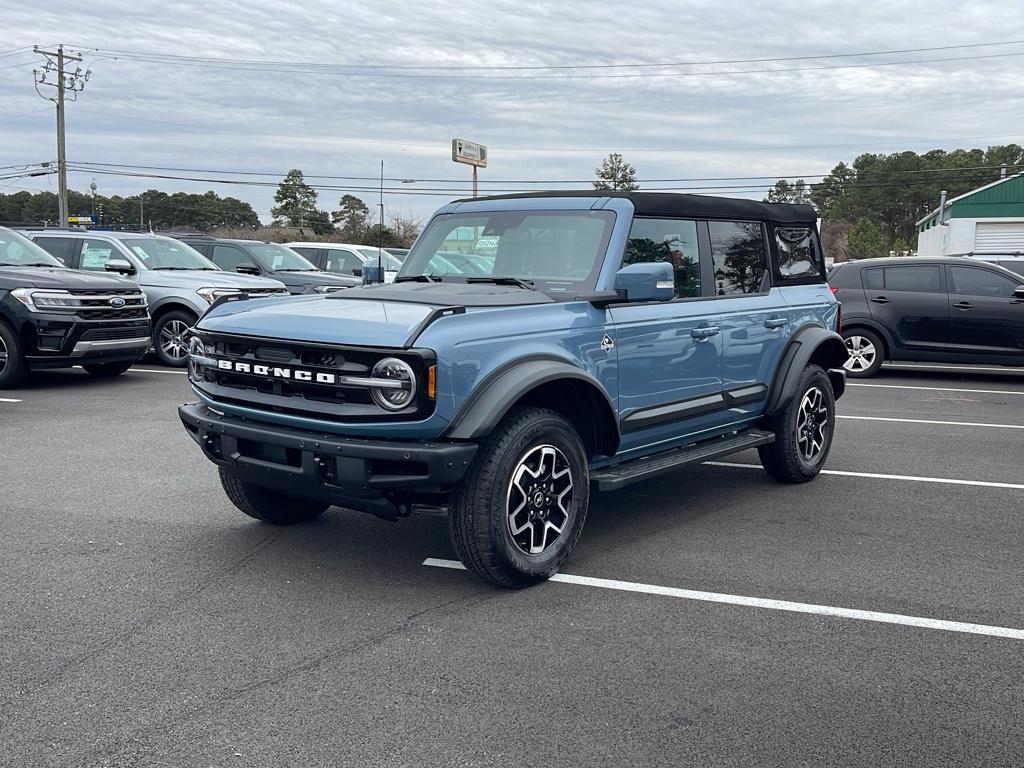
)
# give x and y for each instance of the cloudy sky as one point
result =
(230, 90)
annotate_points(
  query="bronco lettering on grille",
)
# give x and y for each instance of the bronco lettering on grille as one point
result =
(274, 372)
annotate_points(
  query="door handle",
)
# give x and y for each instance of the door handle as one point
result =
(963, 305)
(881, 299)
(704, 333)
(775, 322)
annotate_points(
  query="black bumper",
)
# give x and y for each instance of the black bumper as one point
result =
(378, 476)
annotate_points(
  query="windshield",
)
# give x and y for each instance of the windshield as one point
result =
(391, 264)
(278, 258)
(165, 253)
(18, 251)
(557, 250)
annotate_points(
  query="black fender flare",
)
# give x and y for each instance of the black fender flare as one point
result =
(506, 385)
(812, 343)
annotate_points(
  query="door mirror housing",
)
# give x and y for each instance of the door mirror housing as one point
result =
(248, 268)
(357, 272)
(1018, 292)
(121, 266)
(372, 274)
(646, 281)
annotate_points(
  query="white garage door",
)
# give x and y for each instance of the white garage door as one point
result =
(999, 237)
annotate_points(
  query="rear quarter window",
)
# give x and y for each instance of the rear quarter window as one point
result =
(799, 254)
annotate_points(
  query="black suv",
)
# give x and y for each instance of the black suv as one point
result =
(55, 317)
(256, 257)
(949, 310)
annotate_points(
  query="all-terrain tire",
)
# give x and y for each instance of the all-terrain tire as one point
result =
(522, 464)
(107, 370)
(803, 430)
(269, 505)
(13, 366)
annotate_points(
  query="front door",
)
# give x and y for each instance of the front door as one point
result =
(669, 353)
(910, 302)
(984, 316)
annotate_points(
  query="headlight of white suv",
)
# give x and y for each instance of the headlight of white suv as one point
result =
(212, 294)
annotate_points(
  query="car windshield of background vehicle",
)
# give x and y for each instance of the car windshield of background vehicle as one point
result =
(280, 259)
(669, 240)
(391, 264)
(19, 251)
(798, 253)
(164, 253)
(738, 253)
(556, 250)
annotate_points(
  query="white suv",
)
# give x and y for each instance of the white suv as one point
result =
(347, 259)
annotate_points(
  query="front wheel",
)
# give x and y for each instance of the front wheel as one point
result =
(803, 431)
(520, 509)
(170, 338)
(13, 366)
(269, 505)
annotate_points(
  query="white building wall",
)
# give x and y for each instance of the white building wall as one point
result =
(954, 237)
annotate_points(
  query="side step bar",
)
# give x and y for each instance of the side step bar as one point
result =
(621, 475)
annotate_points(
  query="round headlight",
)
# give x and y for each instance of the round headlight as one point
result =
(397, 395)
(196, 359)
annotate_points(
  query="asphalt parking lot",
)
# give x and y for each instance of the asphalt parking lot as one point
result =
(147, 622)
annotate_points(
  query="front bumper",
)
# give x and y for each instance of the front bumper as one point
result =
(377, 476)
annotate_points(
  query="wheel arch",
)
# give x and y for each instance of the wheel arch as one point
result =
(547, 383)
(170, 305)
(811, 344)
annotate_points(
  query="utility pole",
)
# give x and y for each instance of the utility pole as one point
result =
(67, 85)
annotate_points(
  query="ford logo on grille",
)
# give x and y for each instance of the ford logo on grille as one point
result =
(116, 302)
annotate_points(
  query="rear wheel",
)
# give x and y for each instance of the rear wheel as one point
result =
(867, 352)
(269, 505)
(13, 366)
(803, 431)
(171, 336)
(519, 511)
(107, 370)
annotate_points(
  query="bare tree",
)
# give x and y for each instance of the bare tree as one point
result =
(405, 228)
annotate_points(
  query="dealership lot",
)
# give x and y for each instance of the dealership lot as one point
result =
(148, 622)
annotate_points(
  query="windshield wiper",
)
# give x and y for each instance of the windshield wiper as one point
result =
(30, 264)
(295, 270)
(527, 284)
(187, 269)
(418, 279)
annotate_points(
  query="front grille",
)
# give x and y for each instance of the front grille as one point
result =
(126, 313)
(339, 402)
(117, 332)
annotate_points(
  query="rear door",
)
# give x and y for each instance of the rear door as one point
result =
(669, 353)
(984, 316)
(910, 302)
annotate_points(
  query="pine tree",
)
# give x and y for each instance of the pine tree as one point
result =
(614, 173)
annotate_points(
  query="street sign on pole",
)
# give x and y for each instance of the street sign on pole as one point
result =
(469, 153)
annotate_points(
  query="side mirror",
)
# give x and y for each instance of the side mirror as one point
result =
(646, 281)
(121, 266)
(247, 268)
(1018, 292)
(358, 271)
(372, 274)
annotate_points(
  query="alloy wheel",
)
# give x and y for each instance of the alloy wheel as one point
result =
(812, 425)
(3, 355)
(174, 339)
(862, 354)
(539, 499)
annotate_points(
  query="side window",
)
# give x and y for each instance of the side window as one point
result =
(313, 254)
(922, 279)
(671, 240)
(1014, 266)
(799, 255)
(738, 255)
(873, 279)
(228, 257)
(96, 254)
(970, 281)
(58, 247)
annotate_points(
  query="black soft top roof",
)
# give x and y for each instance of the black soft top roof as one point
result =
(696, 206)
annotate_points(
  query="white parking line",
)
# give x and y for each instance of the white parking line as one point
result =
(940, 389)
(930, 421)
(775, 605)
(880, 476)
(8, 400)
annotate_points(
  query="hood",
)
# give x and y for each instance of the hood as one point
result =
(62, 279)
(199, 278)
(315, 277)
(319, 319)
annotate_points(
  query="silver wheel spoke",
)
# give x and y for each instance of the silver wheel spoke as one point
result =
(812, 424)
(539, 499)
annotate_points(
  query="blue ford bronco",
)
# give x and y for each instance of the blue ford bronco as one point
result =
(592, 340)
